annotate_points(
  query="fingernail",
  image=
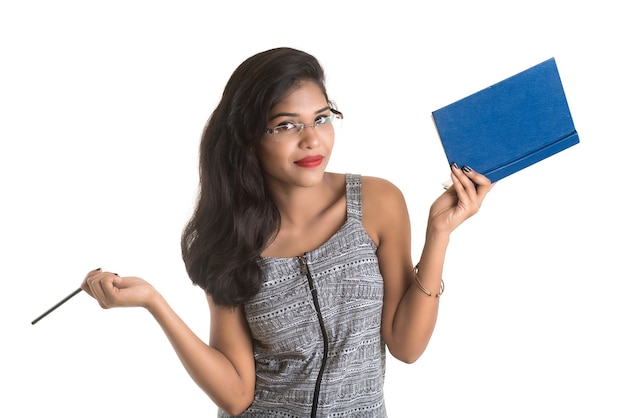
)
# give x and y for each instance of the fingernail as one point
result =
(467, 169)
(455, 165)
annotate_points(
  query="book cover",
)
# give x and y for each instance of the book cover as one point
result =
(510, 125)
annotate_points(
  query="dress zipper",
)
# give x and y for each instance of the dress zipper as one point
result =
(304, 269)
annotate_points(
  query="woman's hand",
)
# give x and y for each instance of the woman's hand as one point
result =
(112, 291)
(460, 201)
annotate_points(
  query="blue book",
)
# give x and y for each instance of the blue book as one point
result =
(510, 125)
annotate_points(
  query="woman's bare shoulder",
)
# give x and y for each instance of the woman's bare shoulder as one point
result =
(379, 189)
(384, 207)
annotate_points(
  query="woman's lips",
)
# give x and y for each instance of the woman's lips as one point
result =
(310, 162)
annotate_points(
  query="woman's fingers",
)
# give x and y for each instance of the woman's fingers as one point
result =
(471, 188)
(482, 184)
(84, 285)
(101, 286)
(111, 290)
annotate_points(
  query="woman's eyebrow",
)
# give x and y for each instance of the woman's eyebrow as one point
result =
(295, 115)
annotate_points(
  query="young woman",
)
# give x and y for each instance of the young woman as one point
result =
(308, 274)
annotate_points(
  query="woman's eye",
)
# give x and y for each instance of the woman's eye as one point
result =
(322, 120)
(285, 126)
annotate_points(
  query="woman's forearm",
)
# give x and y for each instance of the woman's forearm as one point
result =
(212, 371)
(417, 312)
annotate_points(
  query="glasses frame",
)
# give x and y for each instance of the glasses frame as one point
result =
(334, 114)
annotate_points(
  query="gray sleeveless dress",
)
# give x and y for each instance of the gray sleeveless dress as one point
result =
(315, 327)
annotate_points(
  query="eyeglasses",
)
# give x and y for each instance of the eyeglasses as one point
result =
(290, 130)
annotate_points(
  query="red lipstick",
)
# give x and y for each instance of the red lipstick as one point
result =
(311, 161)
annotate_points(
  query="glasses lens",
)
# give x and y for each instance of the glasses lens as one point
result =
(324, 124)
(337, 119)
(285, 129)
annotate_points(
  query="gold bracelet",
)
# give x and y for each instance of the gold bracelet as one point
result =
(422, 288)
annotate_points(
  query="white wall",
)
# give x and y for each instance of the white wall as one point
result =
(101, 109)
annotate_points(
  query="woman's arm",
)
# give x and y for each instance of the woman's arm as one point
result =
(409, 314)
(224, 369)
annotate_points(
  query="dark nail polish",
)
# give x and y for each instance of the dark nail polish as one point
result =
(467, 169)
(455, 165)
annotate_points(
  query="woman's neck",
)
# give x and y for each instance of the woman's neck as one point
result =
(309, 215)
(298, 205)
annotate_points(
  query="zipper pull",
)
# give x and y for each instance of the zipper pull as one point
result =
(304, 269)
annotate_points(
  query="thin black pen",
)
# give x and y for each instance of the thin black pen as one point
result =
(71, 295)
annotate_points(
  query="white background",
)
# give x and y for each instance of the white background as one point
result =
(101, 109)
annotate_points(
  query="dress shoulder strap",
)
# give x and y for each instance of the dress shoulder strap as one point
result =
(353, 196)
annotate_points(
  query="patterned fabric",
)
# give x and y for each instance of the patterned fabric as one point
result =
(288, 334)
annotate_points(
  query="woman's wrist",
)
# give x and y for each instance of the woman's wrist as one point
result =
(433, 256)
(437, 235)
(154, 301)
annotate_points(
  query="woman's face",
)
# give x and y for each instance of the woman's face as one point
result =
(295, 158)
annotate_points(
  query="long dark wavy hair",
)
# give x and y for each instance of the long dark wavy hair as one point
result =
(234, 218)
